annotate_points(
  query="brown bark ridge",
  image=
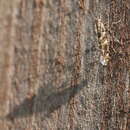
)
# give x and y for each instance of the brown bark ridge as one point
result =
(51, 77)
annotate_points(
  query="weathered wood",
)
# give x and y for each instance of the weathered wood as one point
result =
(51, 77)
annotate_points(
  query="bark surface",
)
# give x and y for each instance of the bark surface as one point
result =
(51, 77)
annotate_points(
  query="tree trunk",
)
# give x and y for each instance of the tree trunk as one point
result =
(55, 73)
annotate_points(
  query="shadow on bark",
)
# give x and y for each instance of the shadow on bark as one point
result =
(45, 103)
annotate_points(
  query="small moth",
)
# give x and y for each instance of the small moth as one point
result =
(103, 41)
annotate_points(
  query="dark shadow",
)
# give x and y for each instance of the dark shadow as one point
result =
(46, 101)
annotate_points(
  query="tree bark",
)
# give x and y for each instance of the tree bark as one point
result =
(51, 76)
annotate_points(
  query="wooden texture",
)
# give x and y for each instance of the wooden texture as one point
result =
(50, 74)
